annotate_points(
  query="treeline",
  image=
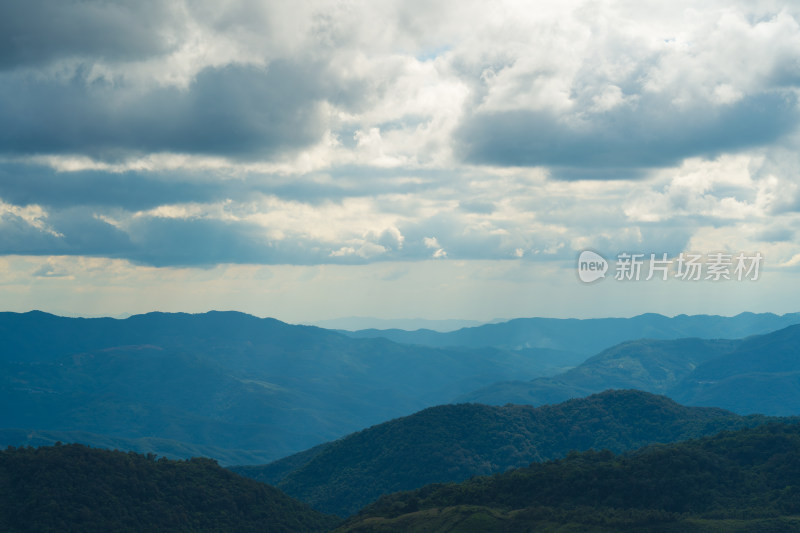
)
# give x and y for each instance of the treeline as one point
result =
(747, 480)
(455, 442)
(73, 487)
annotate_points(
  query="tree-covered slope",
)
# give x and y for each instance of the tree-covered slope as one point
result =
(76, 488)
(734, 481)
(170, 449)
(456, 442)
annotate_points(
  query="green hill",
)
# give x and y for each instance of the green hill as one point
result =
(734, 481)
(76, 488)
(170, 449)
(456, 442)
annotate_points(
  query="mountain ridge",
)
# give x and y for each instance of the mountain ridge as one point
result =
(224, 380)
(733, 374)
(739, 481)
(451, 443)
(591, 335)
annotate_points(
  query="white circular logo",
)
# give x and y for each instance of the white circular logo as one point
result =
(591, 266)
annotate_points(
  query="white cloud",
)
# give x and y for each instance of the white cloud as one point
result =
(431, 242)
(361, 132)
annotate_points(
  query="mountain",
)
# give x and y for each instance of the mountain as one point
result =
(224, 381)
(650, 365)
(171, 449)
(455, 442)
(355, 323)
(760, 374)
(76, 488)
(590, 336)
(735, 481)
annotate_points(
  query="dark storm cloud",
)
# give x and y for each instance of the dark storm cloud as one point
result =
(237, 111)
(624, 142)
(194, 242)
(81, 233)
(198, 241)
(154, 241)
(25, 185)
(17, 236)
(35, 32)
(70, 232)
(28, 184)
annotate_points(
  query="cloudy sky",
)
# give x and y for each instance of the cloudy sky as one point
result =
(316, 159)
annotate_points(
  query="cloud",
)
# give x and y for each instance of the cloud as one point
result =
(36, 32)
(40, 185)
(620, 144)
(240, 221)
(17, 236)
(202, 133)
(49, 270)
(609, 91)
(237, 111)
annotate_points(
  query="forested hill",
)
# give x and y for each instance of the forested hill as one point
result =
(77, 488)
(456, 442)
(735, 481)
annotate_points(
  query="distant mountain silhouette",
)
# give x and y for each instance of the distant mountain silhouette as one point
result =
(760, 374)
(241, 387)
(354, 323)
(590, 336)
(223, 382)
(455, 442)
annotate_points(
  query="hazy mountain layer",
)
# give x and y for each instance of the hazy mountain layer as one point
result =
(760, 374)
(226, 381)
(590, 336)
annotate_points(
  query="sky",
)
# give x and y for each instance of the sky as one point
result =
(309, 160)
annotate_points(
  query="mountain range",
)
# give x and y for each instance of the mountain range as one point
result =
(759, 374)
(294, 399)
(452, 443)
(224, 383)
(355, 323)
(589, 336)
(243, 389)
